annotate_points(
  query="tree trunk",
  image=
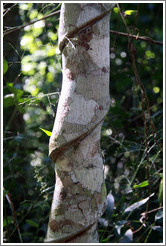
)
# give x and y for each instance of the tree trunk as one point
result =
(80, 192)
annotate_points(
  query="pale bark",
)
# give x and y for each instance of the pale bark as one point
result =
(80, 192)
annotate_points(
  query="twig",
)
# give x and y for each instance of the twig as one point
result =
(132, 52)
(142, 225)
(144, 101)
(151, 211)
(9, 9)
(31, 99)
(30, 23)
(136, 37)
(8, 197)
(143, 216)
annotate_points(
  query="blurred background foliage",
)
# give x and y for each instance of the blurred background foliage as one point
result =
(32, 84)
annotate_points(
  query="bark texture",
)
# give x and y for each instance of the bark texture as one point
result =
(80, 192)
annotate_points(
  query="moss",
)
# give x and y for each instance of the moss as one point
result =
(103, 192)
(93, 204)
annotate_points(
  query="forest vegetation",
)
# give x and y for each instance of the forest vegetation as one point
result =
(131, 135)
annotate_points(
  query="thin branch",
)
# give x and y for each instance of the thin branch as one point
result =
(8, 197)
(124, 21)
(9, 9)
(30, 23)
(136, 37)
(151, 211)
(144, 103)
(143, 216)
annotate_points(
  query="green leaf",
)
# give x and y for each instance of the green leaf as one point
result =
(5, 66)
(32, 223)
(141, 185)
(160, 194)
(8, 100)
(13, 98)
(116, 10)
(46, 132)
(5, 192)
(7, 221)
(17, 92)
(156, 89)
(130, 12)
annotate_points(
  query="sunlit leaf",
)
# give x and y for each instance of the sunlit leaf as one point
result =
(141, 185)
(8, 100)
(33, 14)
(5, 66)
(46, 132)
(50, 77)
(17, 92)
(160, 194)
(149, 54)
(110, 205)
(128, 237)
(116, 10)
(137, 204)
(156, 89)
(130, 12)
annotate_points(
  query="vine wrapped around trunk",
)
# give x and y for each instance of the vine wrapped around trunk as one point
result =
(80, 192)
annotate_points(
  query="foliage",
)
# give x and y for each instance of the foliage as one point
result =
(134, 185)
(129, 177)
(48, 133)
